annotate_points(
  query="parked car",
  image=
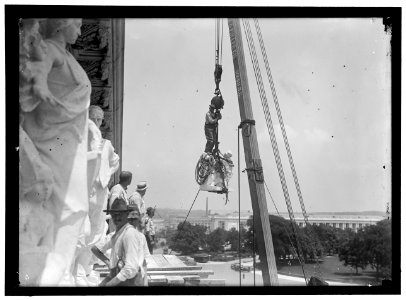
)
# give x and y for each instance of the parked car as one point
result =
(242, 267)
(201, 257)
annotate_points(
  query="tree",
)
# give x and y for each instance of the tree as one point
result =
(216, 240)
(327, 236)
(165, 233)
(249, 243)
(351, 250)
(310, 243)
(282, 237)
(378, 247)
(232, 238)
(188, 238)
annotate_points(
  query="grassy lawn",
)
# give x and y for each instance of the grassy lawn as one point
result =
(331, 269)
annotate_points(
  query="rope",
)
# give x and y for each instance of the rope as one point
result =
(221, 45)
(218, 42)
(271, 132)
(239, 200)
(251, 122)
(198, 191)
(285, 138)
(253, 243)
(215, 41)
(286, 229)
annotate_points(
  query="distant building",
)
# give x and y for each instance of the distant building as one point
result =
(230, 220)
(159, 224)
(227, 220)
(175, 220)
(341, 221)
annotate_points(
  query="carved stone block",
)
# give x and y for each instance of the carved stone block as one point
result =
(98, 70)
(95, 38)
(107, 126)
(107, 135)
(102, 97)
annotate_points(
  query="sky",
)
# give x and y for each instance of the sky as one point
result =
(332, 78)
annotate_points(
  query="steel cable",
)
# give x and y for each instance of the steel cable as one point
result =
(285, 138)
(271, 132)
(198, 191)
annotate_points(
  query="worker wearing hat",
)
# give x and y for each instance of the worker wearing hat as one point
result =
(210, 125)
(125, 267)
(134, 218)
(137, 198)
(150, 229)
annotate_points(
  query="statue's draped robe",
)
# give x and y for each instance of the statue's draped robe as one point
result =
(59, 133)
(97, 203)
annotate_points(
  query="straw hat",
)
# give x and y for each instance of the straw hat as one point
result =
(141, 186)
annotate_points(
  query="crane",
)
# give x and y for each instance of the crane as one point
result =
(213, 164)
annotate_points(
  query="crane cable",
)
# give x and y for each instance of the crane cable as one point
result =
(271, 132)
(239, 199)
(285, 138)
(239, 217)
(218, 54)
(285, 228)
(218, 42)
(198, 191)
(239, 211)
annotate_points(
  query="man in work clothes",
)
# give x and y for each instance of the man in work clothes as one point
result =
(137, 198)
(119, 191)
(210, 127)
(150, 229)
(134, 218)
(125, 262)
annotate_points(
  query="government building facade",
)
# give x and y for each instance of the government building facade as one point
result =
(227, 221)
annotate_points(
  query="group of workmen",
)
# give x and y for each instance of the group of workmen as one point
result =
(130, 237)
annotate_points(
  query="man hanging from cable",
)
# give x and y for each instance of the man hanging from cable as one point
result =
(211, 124)
(217, 102)
(213, 170)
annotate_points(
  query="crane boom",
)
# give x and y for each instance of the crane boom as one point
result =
(252, 159)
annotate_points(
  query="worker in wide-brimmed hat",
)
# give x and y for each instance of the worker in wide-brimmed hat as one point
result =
(137, 198)
(134, 218)
(124, 265)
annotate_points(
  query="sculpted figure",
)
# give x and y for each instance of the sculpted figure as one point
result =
(55, 119)
(35, 178)
(214, 175)
(228, 166)
(98, 195)
(110, 163)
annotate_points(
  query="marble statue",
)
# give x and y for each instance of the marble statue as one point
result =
(219, 172)
(35, 178)
(54, 101)
(98, 196)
